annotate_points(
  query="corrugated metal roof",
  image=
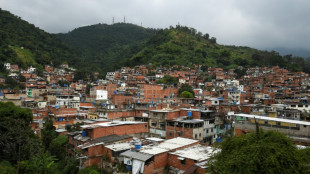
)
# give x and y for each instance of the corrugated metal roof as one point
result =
(197, 152)
(191, 121)
(168, 145)
(109, 124)
(104, 140)
(136, 155)
(274, 119)
(120, 146)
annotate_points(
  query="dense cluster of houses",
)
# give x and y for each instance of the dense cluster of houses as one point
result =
(129, 118)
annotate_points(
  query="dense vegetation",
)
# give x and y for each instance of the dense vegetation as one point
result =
(260, 152)
(106, 45)
(22, 151)
(24, 44)
(185, 46)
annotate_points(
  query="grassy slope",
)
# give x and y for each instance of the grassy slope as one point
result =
(39, 47)
(25, 56)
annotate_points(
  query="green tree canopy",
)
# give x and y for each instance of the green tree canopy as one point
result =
(9, 110)
(58, 147)
(168, 80)
(40, 163)
(263, 152)
(48, 133)
(17, 140)
(186, 87)
(6, 168)
(186, 94)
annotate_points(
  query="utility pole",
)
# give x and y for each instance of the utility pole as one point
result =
(124, 19)
(113, 20)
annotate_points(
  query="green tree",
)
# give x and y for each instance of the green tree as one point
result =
(48, 133)
(206, 36)
(213, 40)
(6, 168)
(69, 165)
(22, 78)
(80, 75)
(88, 86)
(240, 72)
(186, 87)
(304, 155)
(17, 141)
(210, 78)
(186, 94)
(58, 147)
(9, 110)
(168, 80)
(39, 164)
(262, 152)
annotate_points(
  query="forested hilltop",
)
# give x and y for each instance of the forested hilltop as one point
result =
(121, 44)
(106, 45)
(24, 44)
(181, 45)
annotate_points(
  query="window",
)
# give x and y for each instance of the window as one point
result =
(199, 134)
(183, 162)
(211, 129)
(145, 126)
(195, 135)
(207, 130)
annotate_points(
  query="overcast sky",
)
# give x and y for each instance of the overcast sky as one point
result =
(255, 23)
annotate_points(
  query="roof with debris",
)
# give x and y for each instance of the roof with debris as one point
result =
(103, 140)
(110, 124)
(197, 152)
(120, 146)
(167, 145)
